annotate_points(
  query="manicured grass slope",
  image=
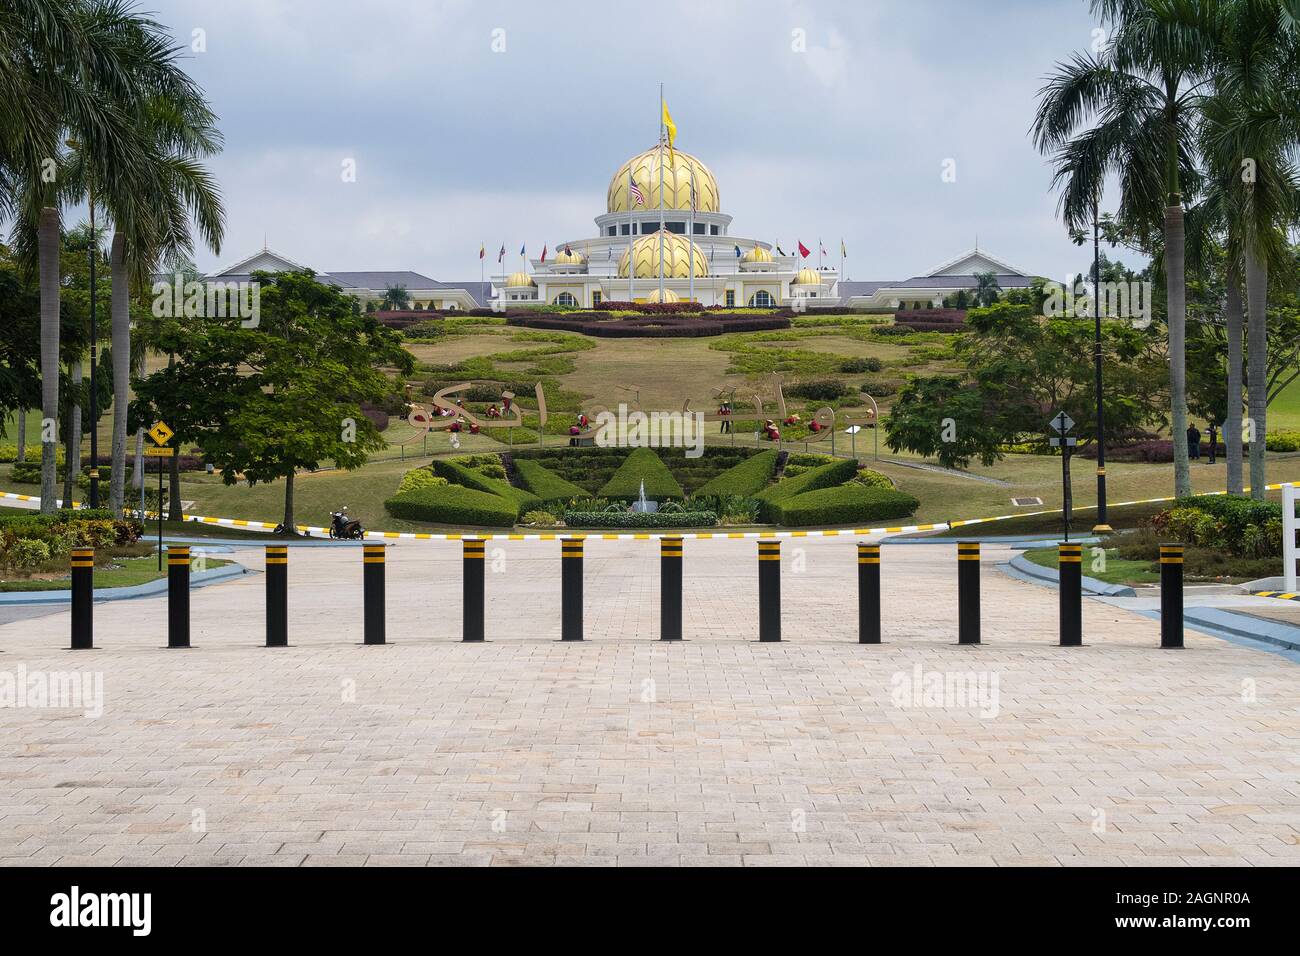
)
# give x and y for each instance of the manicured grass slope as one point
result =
(544, 483)
(642, 465)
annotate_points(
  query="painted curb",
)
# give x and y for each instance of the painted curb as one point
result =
(197, 580)
(1028, 569)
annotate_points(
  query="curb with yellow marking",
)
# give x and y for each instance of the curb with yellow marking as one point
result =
(1280, 595)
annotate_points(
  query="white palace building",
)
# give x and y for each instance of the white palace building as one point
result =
(701, 259)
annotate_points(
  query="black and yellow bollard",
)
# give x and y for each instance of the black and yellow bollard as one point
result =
(277, 595)
(670, 589)
(1069, 566)
(571, 589)
(1171, 595)
(968, 592)
(178, 595)
(769, 590)
(83, 599)
(373, 583)
(868, 593)
(472, 589)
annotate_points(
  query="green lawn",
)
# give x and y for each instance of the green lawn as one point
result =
(1117, 571)
(125, 572)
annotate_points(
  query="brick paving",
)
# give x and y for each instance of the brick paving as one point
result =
(622, 751)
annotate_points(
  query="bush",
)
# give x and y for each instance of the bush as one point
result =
(458, 474)
(540, 519)
(544, 483)
(746, 478)
(1274, 441)
(845, 504)
(640, 519)
(419, 478)
(819, 390)
(825, 476)
(487, 465)
(642, 465)
(1232, 524)
(856, 366)
(454, 505)
(870, 478)
(26, 553)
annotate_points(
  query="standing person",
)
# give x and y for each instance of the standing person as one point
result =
(1213, 435)
(1193, 443)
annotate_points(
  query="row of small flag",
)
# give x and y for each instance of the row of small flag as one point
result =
(804, 251)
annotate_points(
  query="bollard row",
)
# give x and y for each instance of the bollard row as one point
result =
(1069, 562)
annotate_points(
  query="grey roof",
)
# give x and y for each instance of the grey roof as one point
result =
(1006, 281)
(382, 280)
(848, 287)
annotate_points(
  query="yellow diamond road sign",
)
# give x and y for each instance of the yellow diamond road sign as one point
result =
(160, 433)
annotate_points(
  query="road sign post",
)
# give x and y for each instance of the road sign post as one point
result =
(1062, 423)
(160, 434)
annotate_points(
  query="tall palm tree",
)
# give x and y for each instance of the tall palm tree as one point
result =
(1129, 111)
(48, 242)
(395, 297)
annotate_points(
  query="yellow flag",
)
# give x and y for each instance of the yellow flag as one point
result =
(671, 129)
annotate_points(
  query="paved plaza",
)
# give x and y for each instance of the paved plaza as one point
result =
(625, 751)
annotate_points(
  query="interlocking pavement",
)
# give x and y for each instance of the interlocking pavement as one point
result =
(625, 751)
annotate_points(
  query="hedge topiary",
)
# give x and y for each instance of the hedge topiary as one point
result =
(455, 505)
(642, 465)
(747, 478)
(845, 504)
(458, 474)
(638, 519)
(824, 476)
(546, 484)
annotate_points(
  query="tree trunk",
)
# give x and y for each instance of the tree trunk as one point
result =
(174, 472)
(288, 504)
(138, 474)
(22, 435)
(121, 318)
(1232, 314)
(1256, 366)
(1176, 293)
(72, 453)
(47, 240)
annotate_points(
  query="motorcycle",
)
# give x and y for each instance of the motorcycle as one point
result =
(341, 526)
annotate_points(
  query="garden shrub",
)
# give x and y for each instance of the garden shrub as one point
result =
(844, 504)
(419, 478)
(855, 366)
(819, 389)
(544, 483)
(26, 553)
(1233, 524)
(487, 465)
(454, 505)
(642, 465)
(746, 478)
(1273, 441)
(540, 519)
(640, 519)
(458, 474)
(825, 476)
(871, 478)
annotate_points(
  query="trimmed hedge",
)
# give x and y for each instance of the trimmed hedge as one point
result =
(642, 465)
(544, 483)
(747, 478)
(638, 519)
(845, 504)
(455, 505)
(823, 476)
(458, 474)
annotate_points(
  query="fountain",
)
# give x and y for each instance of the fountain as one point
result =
(643, 506)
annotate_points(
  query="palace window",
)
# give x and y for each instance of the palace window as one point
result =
(624, 228)
(677, 227)
(731, 298)
(596, 297)
(700, 228)
(761, 299)
(611, 230)
(713, 230)
(565, 298)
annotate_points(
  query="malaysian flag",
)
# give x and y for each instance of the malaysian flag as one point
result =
(636, 192)
(694, 208)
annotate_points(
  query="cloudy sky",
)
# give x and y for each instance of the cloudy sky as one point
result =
(500, 121)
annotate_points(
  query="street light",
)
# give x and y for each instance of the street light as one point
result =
(94, 349)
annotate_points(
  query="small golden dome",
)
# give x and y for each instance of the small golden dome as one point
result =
(677, 168)
(807, 277)
(568, 257)
(757, 254)
(518, 280)
(669, 296)
(678, 252)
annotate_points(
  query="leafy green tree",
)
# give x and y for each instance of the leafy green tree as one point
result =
(264, 402)
(945, 418)
(396, 298)
(987, 290)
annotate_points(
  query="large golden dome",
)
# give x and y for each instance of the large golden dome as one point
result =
(807, 277)
(677, 168)
(678, 251)
(669, 296)
(567, 257)
(519, 280)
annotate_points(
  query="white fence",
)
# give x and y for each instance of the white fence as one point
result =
(1289, 526)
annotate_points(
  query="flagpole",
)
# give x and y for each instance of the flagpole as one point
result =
(661, 192)
(631, 264)
(690, 234)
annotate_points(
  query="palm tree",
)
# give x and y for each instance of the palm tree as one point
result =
(48, 242)
(395, 297)
(1138, 94)
(987, 288)
(1250, 135)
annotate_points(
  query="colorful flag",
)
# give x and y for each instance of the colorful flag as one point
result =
(737, 252)
(501, 256)
(567, 250)
(543, 254)
(843, 252)
(636, 192)
(804, 250)
(779, 250)
(822, 246)
(671, 129)
(482, 250)
(523, 254)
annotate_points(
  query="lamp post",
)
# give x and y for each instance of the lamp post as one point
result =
(94, 349)
(1101, 527)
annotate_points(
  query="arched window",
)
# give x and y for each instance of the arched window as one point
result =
(565, 298)
(761, 299)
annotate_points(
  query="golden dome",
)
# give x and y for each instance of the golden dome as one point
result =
(807, 277)
(568, 257)
(669, 296)
(678, 251)
(677, 169)
(519, 280)
(757, 254)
